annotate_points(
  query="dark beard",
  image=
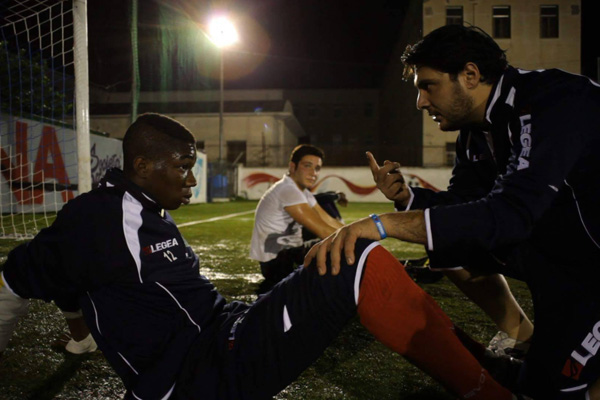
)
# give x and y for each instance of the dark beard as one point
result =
(458, 116)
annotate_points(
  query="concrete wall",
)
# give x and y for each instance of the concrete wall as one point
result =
(525, 48)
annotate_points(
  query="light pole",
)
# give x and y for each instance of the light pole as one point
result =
(222, 33)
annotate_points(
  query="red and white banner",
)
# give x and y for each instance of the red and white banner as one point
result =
(356, 182)
(39, 164)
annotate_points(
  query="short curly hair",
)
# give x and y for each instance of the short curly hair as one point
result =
(150, 136)
(449, 48)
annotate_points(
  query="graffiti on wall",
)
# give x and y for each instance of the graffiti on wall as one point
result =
(100, 163)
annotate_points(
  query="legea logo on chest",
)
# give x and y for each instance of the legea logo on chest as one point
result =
(525, 138)
(160, 246)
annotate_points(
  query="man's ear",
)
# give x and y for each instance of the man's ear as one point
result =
(291, 167)
(471, 75)
(142, 166)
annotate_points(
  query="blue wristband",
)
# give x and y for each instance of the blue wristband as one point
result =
(379, 226)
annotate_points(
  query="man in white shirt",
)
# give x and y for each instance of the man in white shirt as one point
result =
(282, 212)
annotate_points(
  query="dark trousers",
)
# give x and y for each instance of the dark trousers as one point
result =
(285, 263)
(566, 304)
(562, 358)
(261, 348)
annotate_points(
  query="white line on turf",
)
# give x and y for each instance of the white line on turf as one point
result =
(215, 218)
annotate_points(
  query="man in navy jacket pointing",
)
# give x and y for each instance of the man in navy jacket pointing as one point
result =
(527, 156)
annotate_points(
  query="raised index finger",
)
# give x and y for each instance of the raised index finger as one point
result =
(372, 162)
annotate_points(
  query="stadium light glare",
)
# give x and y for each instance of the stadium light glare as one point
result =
(222, 33)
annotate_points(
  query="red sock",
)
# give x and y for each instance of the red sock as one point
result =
(407, 320)
(474, 347)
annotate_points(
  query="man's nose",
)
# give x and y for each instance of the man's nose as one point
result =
(190, 179)
(422, 101)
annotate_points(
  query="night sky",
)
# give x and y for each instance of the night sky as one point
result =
(284, 43)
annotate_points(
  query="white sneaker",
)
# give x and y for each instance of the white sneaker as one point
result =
(502, 344)
(87, 345)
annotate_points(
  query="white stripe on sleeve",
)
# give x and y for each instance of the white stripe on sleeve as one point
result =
(287, 322)
(165, 397)
(132, 221)
(428, 229)
(575, 388)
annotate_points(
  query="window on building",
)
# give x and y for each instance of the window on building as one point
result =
(454, 15)
(450, 153)
(236, 152)
(501, 22)
(549, 21)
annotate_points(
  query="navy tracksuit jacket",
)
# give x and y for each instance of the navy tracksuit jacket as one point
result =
(524, 200)
(119, 256)
(533, 177)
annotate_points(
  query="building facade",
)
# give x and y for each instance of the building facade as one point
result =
(342, 122)
(259, 126)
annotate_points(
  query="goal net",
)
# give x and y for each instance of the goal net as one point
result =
(39, 109)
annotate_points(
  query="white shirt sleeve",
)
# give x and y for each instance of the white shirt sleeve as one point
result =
(312, 201)
(289, 194)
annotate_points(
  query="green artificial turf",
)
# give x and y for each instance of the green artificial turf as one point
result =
(355, 367)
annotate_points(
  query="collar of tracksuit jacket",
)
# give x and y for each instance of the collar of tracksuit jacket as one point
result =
(116, 178)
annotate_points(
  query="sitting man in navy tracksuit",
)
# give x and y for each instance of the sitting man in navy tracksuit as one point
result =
(165, 329)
